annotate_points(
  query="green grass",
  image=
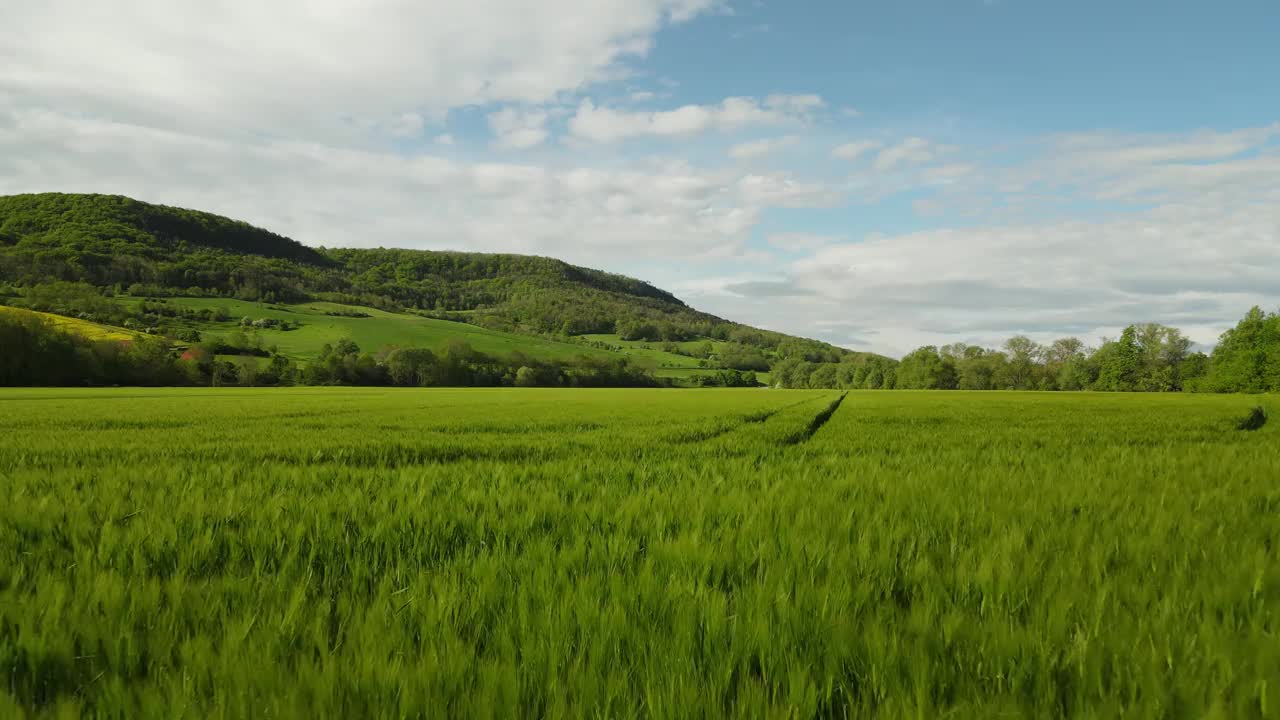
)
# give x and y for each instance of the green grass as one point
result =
(330, 552)
(379, 330)
(76, 326)
(382, 329)
(653, 352)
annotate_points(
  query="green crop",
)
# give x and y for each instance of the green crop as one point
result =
(328, 552)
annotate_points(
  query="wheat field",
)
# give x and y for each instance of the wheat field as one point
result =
(327, 552)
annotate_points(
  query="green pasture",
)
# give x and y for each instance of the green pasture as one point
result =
(653, 352)
(411, 553)
(372, 333)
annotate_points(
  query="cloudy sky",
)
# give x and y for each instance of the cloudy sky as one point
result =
(877, 174)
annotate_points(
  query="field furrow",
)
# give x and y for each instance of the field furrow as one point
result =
(635, 553)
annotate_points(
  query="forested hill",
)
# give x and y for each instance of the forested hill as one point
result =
(127, 247)
(178, 274)
(80, 229)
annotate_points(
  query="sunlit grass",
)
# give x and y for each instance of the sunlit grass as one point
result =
(327, 552)
(83, 328)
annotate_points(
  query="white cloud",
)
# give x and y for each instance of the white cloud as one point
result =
(783, 191)
(1149, 168)
(321, 194)
(795, 104)
(1202, 248)
(1126, 151)
(306, 65)
(759, 148)
(800, 242)
(408, 125)
(855, 150)
(265, 111)
(518, 130)
(944, 174)
(907, 153)
(605, 125)
(1198, 266)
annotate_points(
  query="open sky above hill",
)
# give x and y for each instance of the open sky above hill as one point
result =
(876, 174)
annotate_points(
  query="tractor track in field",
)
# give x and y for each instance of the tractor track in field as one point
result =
(737, 423)
(816, 424)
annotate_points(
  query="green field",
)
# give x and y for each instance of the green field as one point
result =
(653, 352)
(380, 329)
(329, 552)
(84, 328)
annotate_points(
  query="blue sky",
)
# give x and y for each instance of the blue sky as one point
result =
(995, 67)
(879, 175)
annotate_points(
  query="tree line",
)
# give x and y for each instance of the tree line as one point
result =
(72, 254)
(126, 247)
(740, 347)
(1144, 358)
(37, 353)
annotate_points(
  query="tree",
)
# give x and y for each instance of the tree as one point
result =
(823, 376)
(976, 367)
(1062, 351)
(1022, 371)
(877, 376)
(35, 353)
(280, 371)
(1120, 363)
(526, 377)
(847, 375)
(632, 330)
(248, 371)
(1247, 358)
(1057, 357)
(1162, 352)
(1078, 372)
(1195, 370)
(736, 356)
(787, 373)
(411, 366)
(74, 299)
(926, 369)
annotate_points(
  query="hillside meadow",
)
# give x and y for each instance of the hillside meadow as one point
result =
(84, 328)
(319, 323)
(337, 552)
(121, 262)
(76, 254)
(313, 325)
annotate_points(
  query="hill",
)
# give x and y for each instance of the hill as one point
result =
(84, 328)
(128, 250)
(232, 294)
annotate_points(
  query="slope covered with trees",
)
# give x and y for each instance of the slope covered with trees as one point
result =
(114, 260)
(37, 350)
(176, 274)
(125, 247)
